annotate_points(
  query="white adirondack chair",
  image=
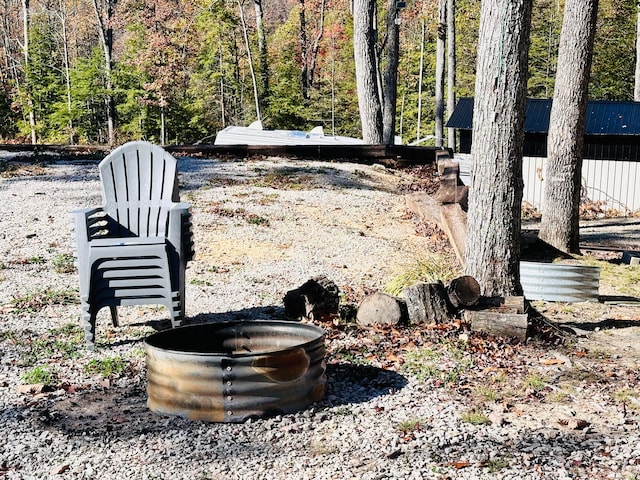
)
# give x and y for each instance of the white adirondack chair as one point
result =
(134, 249)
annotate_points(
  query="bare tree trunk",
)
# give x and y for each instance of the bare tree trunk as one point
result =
(25, 48)
(311, 71)
(440, 66)
(493, 237)
(262, 50)
(245, 34)
(104, 14)
(303, 50)
(451, 68)
(391, 75)
(420, 72)
(366, 70)
(636, 90)
(65, 58)
(223, 113)
(560, 208)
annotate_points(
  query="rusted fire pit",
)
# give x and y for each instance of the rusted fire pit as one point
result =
(232, 371)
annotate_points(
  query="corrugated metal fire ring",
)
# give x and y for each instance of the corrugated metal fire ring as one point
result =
(232, 371)
(557, 282)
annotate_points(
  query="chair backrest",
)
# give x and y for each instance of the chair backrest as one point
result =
(139, 186)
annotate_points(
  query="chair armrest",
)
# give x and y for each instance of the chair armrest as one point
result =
(83, 221)
(180, 234)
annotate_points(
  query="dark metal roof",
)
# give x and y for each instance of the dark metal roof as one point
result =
(602, 118)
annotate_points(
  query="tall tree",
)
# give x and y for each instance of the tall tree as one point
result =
(104, 11)
(636, 89)
(451, 68)
(364, 39)
(262, 50)
(440, 69)
(560, 208)
(391, 74)
(28, 89)
(493, 236)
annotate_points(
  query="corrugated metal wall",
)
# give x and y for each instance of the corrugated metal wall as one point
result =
(616, 184)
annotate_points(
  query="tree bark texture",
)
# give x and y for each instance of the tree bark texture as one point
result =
(391, 75)
(440, 70)
(636, 89)
(451, 68)
(104, 15)
(366, 70)
(262, 50)
(495, 196)
(560, 208)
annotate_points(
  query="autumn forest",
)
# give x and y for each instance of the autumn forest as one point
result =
(177, 71)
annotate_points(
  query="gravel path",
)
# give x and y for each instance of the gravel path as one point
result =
(261, 228)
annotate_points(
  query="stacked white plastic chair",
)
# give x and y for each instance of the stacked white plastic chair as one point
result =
(134, 249)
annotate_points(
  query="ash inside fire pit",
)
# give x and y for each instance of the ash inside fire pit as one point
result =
(229, 372)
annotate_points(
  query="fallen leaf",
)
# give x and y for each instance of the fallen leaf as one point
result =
(393, 358)
(552, 361)
(459, 465)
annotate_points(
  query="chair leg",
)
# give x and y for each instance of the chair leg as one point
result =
(89, 326)
(176, 310)
(114, 316)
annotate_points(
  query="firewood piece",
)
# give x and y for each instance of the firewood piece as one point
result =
(425, 207)
(426, 303)
(316, 299)
(381, 309)
(511, 304)
(454, 224)
(513, 325)
(463, 291)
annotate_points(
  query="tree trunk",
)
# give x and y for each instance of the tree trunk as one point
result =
(66, 64)
(636, 90)
(451, 68)
(262, 50)
(440, 68)
(25, 47)
(391, 75)
(247, 46)
(420, 71)
(495, 196)
(104, 14)
(366, 70)
(303, 51)
(563, 173)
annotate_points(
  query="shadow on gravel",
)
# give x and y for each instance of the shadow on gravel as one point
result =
(348, 383)
(269, 312)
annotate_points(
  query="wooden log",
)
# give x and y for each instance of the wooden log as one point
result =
(316, 299)
(510, 304)
(426, 303)
(512, 325)
(463, 291)
(425, 207)
(381, 309)
(454, 224)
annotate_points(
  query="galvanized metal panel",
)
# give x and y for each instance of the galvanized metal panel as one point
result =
(229, 372)
(556, 282)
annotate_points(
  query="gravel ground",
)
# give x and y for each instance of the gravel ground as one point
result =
(261, 228)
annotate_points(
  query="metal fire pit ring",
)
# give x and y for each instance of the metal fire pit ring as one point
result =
(232, 371)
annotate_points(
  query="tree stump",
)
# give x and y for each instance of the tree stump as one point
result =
(381, 309)
(426, 303)
(316, 299)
